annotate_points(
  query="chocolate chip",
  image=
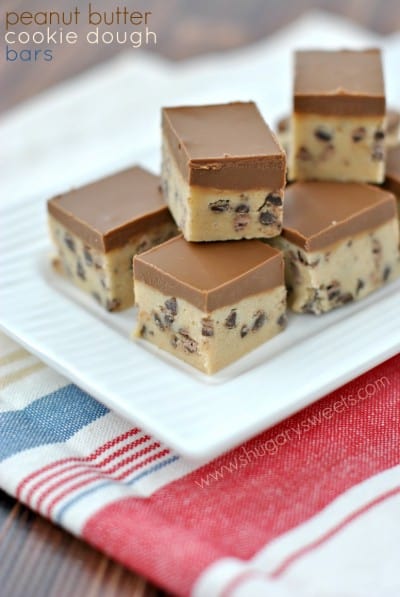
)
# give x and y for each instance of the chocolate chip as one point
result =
(304, 154)
(301, 258)
(266, 218)
(188, 343)
(322, 134)
(113, 304)
(349, 243)
(379, 135)
(143, 330)
(274, 199)
(242, 208)
(88, 256)
(172, 305)
(80, 271)
(207, 327)
(358, 134)
(244, 330)
(70, 243)
(360, 285)
(346, 298)
(282, 321)
(304, 261)
(333, 294)
(168, 319)
(333, 290)
(311, 306)
(240, 222)
(230, 321)
(376, 247)
(96, 296)
(259, 321)
(184, 333)
(219, 206)
(170, 310)
(157, 321)
(174, 341)
(386, 273)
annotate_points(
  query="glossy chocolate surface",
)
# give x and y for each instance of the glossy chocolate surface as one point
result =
(318, 214)
(210, 275)
(107, 213)
(224, 146)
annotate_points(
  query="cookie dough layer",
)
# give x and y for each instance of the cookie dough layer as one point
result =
(340, 148)
(107, 277)
(348, 270)
(206, 214)
(208, 341)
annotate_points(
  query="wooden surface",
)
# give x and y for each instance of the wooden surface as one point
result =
(38, 559)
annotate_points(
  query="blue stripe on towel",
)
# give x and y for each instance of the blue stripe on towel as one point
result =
(159, 465)
(49, 420)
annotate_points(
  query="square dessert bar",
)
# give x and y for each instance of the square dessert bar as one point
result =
(209, 303)
(98, 228)
(338, 123)
(223, 172)
(392, 181)
(340, 242)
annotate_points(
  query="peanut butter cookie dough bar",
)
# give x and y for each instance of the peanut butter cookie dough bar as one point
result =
(223, 172)
(98, 228)
(209, 303)
(340, 242)
(338, 121)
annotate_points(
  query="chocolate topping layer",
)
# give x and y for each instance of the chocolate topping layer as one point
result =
(318, 214)
(210, 275)
(345, 83)
(226, 146)
(392, 181)
(107, 213)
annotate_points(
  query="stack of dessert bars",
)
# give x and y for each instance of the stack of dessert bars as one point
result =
(222, 245)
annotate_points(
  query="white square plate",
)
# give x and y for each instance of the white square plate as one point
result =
(198, 416)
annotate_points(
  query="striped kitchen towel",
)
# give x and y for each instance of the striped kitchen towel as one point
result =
(307, 508)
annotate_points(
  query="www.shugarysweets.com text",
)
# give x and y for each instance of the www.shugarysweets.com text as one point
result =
(35, 36)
